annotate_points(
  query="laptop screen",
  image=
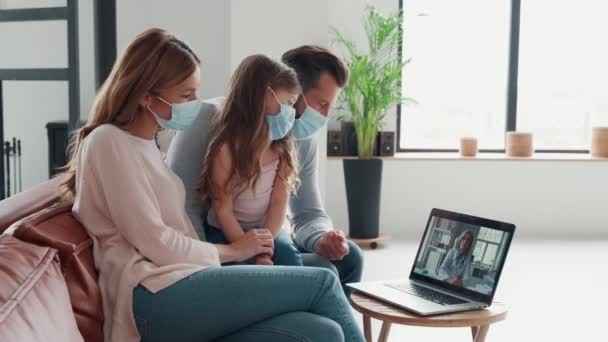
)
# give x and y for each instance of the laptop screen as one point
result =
(462, 252)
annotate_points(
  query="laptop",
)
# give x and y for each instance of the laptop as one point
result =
(457, 267)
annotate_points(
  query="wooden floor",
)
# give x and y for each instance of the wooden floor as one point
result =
(555, 290)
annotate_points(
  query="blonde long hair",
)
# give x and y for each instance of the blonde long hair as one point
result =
(155, 60)
(241, 124)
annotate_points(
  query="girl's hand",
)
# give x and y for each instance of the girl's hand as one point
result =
(264, 259)
(254, 242)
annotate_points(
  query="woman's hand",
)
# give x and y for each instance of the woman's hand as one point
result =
(264, 259)
(455, 281)
(253, 242)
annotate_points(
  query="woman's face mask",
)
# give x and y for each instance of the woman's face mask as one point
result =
(280, 124)
(309, 123)
(182, 114)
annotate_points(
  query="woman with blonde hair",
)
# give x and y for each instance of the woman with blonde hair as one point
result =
(158, 281)
(456, 266)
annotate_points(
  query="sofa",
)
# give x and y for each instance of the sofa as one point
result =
(48, 280)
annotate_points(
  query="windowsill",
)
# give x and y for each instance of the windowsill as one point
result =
(486, 156)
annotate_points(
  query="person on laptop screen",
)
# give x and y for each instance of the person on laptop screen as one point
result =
(456, 267)
(462, 254)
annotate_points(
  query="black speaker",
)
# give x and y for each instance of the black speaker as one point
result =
(386, 144)
(334, 144)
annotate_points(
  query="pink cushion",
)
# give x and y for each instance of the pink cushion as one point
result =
(34, 300)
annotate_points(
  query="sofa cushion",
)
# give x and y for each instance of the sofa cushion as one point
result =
(28, 202)
(58, 228)
(34, 300)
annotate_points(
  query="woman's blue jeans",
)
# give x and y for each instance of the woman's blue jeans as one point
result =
(248, 303)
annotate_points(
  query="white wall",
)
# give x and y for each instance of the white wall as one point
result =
(30, 105)
(204, 25)
(545, 199)
(272, 27)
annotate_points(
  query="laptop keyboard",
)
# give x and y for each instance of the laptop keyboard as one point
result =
(426, 293)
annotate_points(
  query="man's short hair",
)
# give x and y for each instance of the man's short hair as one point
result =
(310, 61)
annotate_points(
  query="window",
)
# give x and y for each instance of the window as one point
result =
(490, 255)
(487, 246)
(480, 68)
(457, 74)
(563, 71)
(491, 235)
(480, 248)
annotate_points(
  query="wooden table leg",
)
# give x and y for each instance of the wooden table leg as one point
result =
(474, 332)
(386, 328)
(367, 328)
(480, 333)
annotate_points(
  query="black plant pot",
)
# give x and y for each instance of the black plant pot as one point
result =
(363, 179)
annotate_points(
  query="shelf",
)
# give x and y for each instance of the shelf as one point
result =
(442, 156)
(443, 251)
(443, 230)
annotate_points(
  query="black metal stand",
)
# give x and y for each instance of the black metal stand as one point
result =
(11, 179)
(7, 162)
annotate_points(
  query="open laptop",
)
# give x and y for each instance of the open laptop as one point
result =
(457, 267)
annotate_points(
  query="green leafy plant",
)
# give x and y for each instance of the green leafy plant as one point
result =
(375, 76)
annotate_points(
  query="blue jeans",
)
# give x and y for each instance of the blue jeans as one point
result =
(286, 252)
(248, 303)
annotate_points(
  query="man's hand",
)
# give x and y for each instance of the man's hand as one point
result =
(333, 245)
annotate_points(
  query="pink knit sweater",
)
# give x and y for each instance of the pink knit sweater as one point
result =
(133, 207)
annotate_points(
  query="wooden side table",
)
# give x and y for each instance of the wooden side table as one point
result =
(479, 320)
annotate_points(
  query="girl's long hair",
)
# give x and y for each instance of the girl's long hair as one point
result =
(241, 125)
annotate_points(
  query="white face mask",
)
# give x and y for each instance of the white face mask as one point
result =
(309, 123)
(280, 124)
(182, 114)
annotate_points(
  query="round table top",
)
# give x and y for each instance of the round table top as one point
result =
(386, 312)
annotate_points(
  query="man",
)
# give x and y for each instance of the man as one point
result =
(321, 74)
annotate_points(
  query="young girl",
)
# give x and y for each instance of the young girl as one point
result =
(251, 167)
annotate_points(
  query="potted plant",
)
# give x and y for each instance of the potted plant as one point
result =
(374, 86)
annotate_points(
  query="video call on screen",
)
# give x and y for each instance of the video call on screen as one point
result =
(472, 263)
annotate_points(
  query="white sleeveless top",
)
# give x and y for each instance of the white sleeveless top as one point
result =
(251, 205)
